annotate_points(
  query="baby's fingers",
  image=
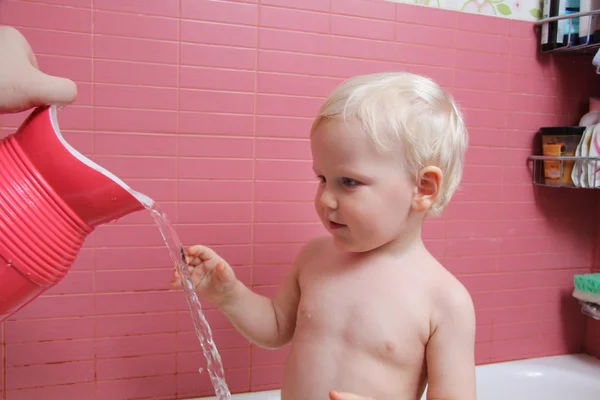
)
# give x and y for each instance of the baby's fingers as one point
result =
(198, 254)
(224, 273)
(175, 282)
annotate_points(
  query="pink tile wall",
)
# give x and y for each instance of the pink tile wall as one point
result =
(205, 106)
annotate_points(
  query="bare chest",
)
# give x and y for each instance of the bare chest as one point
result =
(365, 311)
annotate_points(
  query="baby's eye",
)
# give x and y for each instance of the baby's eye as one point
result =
(349, 182)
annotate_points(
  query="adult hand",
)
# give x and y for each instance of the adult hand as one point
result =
(22, 84)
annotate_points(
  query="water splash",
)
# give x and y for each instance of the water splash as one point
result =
(203, 331)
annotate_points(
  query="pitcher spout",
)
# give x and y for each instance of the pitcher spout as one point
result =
(95, 194)
(51, 198)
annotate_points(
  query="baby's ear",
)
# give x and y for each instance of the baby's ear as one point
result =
(428, 188)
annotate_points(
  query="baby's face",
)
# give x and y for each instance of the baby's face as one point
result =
(364, 197)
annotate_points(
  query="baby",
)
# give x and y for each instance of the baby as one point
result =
(368, 311)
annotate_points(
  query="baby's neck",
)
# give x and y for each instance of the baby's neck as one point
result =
(409, 242)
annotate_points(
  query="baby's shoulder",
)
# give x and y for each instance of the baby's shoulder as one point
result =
(312, 249)
(450, 299)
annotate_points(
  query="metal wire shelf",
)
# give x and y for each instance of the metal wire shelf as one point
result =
(559, 170)
(583, 48)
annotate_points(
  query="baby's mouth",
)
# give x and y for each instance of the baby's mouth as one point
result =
(335, 225)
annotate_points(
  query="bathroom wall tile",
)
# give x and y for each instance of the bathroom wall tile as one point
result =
(295, 63)
(270, 275)
(216, 124)
(134, 325)
(232, 359)
(141, 97)
(215, 318)
(286, 18)
(166, 8)
(218, 34)
(50, 352)
(46, 16)
(427, 15)
(209, 190)
(35, 330)
(339, 67)
(287, 233)
(132, 281)
(215, 146)
(366, 9)
(418, 33)
(217, 79)
(287, 105)
(221, 102)
(135, 49)
(426, 55)
(296, 41)
(114, 258)
(71, 3)
(285, 191)
(135, 25)
(49, 374)
(267, 375)
(196, 385)
(285, 212)
(201, 168)
(137, 387)
(300, 85)
(366, 49)
(202, 55)
(71, 391)
(284, 170)
(315, 5)
(224, 339)
(136, 346)
(276, 254)
(213, 213)
(362, 27)
(276, 126)
(132, 73)
(70, 306)
(220, 11)
(288, 149)
(214, 235)
(76, 282)
(130, 303)
(126, 144)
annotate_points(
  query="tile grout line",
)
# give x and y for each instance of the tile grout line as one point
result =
(253, 195)
(93, 244)
(177, 185)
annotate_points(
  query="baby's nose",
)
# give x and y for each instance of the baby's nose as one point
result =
(328, 200)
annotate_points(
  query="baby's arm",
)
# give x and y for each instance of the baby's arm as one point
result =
(451, 348)
(266, 322)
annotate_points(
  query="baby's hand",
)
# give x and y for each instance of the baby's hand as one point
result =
(212, 277)
(346, 396)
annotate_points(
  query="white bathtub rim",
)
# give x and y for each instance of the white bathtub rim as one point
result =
(578, 366)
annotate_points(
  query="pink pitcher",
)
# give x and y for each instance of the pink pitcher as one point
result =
(51, 198)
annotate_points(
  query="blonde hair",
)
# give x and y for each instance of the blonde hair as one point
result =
(400, 109)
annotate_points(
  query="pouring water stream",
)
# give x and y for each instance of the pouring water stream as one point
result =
(203, 331)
